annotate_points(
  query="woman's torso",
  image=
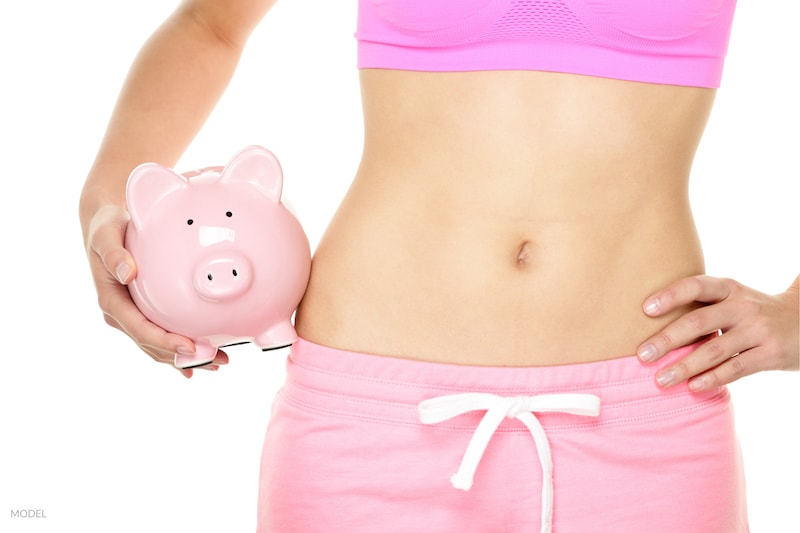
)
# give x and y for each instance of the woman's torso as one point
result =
(508, 218)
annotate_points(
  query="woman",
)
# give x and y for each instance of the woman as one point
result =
(519, 226)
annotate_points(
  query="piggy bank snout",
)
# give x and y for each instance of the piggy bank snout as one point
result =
(223, 277)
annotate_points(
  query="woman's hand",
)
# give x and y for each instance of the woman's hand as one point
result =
(759, 331)
(112, 269)
(155, 119)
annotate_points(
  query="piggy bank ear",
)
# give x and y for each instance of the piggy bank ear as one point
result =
(258, 167)
(147, 185)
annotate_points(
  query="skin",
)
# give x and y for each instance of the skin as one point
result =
(497, 217)
(759, 331)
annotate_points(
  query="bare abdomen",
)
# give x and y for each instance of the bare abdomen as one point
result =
(508, 232)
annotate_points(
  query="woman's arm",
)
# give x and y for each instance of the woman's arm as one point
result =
(759, 331)
(173, 85)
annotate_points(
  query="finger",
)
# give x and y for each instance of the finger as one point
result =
(117, 260)
(710, 355)
(106, 239)
(687, 329)
(156, 354)
(162, 346)
(736, 367)
(159, 355)
(221, 358)
(705, 289)
(116, 303)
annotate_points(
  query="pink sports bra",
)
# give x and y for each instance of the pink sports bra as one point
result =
(677, 42)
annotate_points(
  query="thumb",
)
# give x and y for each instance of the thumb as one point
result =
(107, 240)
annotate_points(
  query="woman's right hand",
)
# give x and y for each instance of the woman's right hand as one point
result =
(113, 268)
(155, 119)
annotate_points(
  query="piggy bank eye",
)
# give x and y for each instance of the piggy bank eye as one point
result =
(228, 214)
(190, 221)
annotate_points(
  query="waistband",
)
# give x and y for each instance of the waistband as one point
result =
(338, 381)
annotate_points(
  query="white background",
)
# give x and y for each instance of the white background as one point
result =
(102, 439)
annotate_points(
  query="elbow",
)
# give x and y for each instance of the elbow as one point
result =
(227, 24)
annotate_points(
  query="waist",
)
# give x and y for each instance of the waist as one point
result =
(483, 274)
(363, 385)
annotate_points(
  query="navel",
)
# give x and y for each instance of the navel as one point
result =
(525, 254)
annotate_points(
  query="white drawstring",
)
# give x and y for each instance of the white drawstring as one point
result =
(443, 408)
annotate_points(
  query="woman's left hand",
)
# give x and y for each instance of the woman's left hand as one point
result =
(759, 331)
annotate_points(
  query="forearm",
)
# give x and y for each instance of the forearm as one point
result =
(173, 85)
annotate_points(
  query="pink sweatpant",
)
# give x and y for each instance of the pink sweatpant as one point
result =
(346, 450)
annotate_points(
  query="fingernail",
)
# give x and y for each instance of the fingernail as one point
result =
(652, 306)
(647, 353)
(184, 350)
(667, 377)
(122, 272)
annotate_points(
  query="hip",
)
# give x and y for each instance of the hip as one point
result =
(358, 420)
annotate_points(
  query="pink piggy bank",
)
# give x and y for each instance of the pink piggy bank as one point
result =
(220, 259)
